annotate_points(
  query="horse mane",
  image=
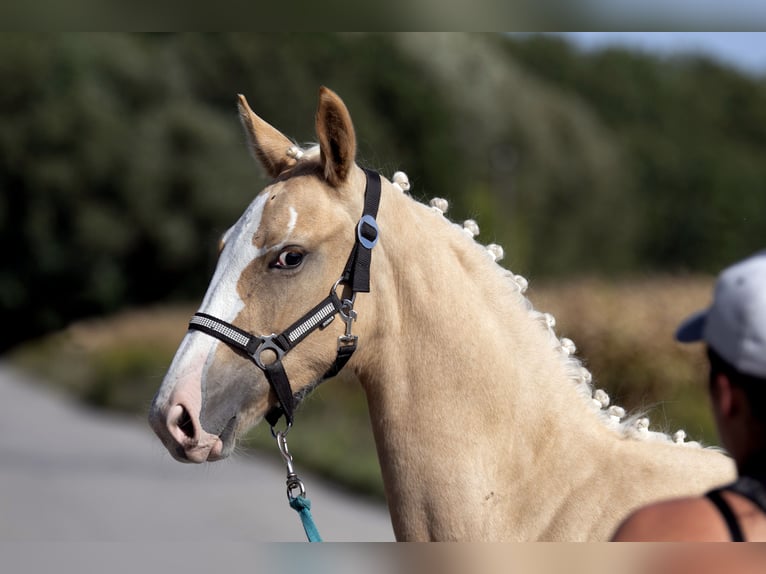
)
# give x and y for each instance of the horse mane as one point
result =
(631, 426)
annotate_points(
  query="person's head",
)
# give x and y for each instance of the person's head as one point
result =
(739, 407)
(752, 387)
(734, 329)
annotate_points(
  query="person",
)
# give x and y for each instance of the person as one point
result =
(734, 330)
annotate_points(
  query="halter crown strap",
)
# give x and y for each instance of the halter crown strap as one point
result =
(356, 274)
(357, 271)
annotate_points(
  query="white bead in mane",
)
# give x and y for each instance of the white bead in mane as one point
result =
(401, 181)
(497, 253)
(439, 204)
(295, 152)
(308, 152)
(471, 228)
(613, 416)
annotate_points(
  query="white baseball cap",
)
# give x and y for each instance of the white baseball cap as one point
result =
(735, 324)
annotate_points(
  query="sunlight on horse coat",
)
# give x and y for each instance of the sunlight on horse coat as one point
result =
(487, 427)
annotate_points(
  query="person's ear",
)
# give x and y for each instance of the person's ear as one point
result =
(725, 396)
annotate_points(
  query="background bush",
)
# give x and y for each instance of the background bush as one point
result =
(122, 161)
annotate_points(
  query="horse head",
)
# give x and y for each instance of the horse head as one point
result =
(283, 256)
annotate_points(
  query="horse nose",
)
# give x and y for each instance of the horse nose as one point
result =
(179, 429)
(181, 426)
(175, 426)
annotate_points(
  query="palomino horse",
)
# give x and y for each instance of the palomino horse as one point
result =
(486, 427)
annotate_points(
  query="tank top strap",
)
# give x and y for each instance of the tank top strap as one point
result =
(751, 488)
(735, 532)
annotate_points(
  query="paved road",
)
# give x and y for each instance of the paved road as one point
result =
(84, 492)
(69, 474)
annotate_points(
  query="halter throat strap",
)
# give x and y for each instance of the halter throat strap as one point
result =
(267, 351)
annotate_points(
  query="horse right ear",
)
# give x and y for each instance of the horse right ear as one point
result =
(337, 141)
(267, 144)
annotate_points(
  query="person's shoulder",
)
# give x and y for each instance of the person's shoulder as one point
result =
(680, 519)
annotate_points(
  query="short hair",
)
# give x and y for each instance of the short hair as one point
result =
(754, 387)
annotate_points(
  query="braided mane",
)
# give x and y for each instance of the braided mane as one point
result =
(633, 426)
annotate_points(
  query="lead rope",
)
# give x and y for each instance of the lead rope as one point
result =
(296, 491)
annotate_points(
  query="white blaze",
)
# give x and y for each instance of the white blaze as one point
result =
(222, 299)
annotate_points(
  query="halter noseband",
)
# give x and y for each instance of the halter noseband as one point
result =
(356, 275)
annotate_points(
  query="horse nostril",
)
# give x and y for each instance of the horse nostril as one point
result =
(185, 423)
(180, 424)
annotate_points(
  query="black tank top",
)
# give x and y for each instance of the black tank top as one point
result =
(747, 486)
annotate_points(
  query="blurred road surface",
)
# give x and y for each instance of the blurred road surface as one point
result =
(68, 474)
(85, 492)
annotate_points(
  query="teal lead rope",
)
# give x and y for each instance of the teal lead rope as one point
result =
(302, 506)
(296, 492)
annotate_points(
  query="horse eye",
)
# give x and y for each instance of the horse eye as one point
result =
(288, 259)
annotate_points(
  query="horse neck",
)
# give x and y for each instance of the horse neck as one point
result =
(465, 384)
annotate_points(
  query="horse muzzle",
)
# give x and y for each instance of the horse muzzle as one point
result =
(177, 424)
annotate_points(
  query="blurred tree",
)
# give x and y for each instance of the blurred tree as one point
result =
(694, 134)
(114, 179)
(121, 158)
(122, 161)
(544, 170)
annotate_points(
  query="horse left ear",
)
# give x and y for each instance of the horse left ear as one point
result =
(268, 144)
(337, 140)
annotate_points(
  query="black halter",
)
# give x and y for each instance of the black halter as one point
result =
(356, 275)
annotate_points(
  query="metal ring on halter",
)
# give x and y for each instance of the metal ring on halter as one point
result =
(276, 434)
(344, 302)
(267, 344)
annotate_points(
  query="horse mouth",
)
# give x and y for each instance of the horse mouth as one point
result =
(208, 447)
(219, 447)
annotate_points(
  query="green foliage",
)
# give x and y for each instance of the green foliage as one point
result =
(121, 158)
(694, 137)
(122, 161)
(109, 178)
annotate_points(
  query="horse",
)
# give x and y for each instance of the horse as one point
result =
(487, 426)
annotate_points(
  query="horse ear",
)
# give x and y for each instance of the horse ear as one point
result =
(337, 141)
(267, 144)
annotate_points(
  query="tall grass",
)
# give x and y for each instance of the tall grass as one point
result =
(623, 333)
